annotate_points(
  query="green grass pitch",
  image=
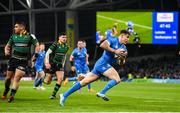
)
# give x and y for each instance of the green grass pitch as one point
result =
(139, 18)
(138, 97)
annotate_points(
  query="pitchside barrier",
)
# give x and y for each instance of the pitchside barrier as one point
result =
(175, 81)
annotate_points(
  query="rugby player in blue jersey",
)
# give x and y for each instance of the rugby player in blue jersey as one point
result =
(114, 49)
(38, 61)
(79, 63)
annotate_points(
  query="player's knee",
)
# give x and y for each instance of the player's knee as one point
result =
(118, 80)
(84, 82)
(59, 81)
(8, 78)
(17, 78)
(79, 78)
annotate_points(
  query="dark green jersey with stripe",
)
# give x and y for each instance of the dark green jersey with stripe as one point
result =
(21, 45)
(59, 51)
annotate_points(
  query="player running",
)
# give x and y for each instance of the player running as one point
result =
(38, 62)
(54, 62)
(19, 44)
(79, 63)
(113, 49)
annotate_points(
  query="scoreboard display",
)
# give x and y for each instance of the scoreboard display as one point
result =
(165, 28)
(148, 27)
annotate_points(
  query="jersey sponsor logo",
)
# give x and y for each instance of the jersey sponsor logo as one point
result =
(21, 44)
(60, 54)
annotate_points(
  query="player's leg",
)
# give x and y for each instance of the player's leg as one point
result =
(7, 82)
(10, 73)
(85, 71)
(90, 89)
(81, 77)
(90, 77)
(48, 75)
(17, 77)
(69, 79)
(36, 80)
(41, 74)
(48, 78)
(39, 81)
(112, 74)
(60, 75)
(79, 72)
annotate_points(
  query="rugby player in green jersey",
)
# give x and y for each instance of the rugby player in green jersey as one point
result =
(18, 47)
(54, 62)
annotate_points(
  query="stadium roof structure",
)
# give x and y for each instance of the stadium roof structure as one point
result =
(25, 6)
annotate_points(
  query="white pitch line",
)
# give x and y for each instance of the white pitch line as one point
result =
(121, 21)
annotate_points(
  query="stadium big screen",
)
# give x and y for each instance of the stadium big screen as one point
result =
(150, 27)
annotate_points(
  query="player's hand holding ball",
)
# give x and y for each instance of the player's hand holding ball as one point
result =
(119, 51)
(121, 56)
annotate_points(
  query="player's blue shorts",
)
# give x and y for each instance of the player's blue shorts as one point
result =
(100, 67)
(81, 69)
(38, 68)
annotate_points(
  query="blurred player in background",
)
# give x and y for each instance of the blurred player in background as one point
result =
(19, 45)
(130, 27)
(112, 32)
(37, 63)
(79, 63)
(54, 62)
(114, 49)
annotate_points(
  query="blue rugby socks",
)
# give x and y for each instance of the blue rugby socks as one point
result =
(108, 86)
(74, 88)
(89, 86)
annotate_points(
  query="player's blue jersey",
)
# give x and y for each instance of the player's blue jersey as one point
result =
(106, 60)
(111, 57)
(79, 56)
(80, 60)
(40, 58)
